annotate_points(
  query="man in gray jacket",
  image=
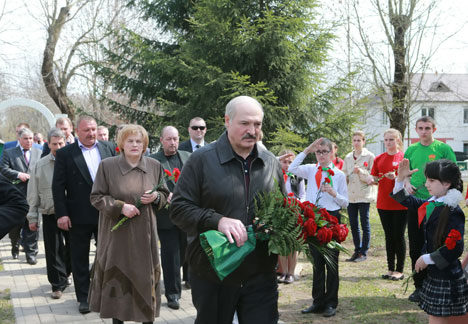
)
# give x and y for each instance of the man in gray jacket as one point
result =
(217, 191)
(40, 201)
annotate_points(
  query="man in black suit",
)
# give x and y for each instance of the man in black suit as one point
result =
(75, 169)
(173, 240)
(197, 132)
(17, 163)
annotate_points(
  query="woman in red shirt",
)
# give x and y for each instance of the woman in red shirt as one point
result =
(392, 215)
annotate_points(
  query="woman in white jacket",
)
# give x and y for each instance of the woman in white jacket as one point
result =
(357, 167)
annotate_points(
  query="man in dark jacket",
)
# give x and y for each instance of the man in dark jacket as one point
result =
(173, 240)
(13, 206)
(216, 191)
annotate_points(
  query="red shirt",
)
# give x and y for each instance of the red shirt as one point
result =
(338, 163)
(385, 163)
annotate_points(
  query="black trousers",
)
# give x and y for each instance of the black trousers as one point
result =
(170, 240)
(326, 279)
(416, 243)
(394, 226)
(28, 239)
(256, 301)
(80, 239)
(56, 245)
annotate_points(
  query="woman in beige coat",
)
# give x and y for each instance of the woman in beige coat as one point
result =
(357, 166)
(125, 281)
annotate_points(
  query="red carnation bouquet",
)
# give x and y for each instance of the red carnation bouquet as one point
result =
(312, 225)
(321, 230)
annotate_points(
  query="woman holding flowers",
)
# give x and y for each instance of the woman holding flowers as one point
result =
(326, 189)
(444, 293)
(125, 281)
(357, 167)
(393, 216)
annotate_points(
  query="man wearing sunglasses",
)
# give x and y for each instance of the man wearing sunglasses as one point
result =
(197, 131)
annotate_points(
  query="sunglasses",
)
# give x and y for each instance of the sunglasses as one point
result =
(198, 127)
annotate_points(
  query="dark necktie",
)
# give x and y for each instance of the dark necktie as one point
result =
(26, 156)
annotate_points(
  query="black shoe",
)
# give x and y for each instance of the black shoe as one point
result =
(84, 308)
(329, 311)
(31, 259)
(316, 309)
(187, 285)
(353, 257)
(386, 277)
(415, 297)
(14, 252)
(173, 303)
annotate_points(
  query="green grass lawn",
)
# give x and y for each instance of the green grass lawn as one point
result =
(363, 296)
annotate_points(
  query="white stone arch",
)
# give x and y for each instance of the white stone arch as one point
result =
(31, 104)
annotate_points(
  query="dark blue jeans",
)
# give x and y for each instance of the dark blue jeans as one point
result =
(360, 246)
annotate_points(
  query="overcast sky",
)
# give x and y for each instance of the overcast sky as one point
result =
(26, 37)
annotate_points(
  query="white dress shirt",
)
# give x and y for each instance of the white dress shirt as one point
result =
(308, 171)
(92, 158)
(194, 145)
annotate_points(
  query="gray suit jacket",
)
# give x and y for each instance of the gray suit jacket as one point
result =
(13, 163)
(162, 216)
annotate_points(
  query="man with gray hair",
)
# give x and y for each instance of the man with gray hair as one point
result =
(40, 201)
(16, 166)
(217, 191)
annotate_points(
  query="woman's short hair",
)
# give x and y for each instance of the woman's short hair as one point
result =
(132, 129)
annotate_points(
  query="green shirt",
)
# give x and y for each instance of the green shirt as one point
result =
(419, 155)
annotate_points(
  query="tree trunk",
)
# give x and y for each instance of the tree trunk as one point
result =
(400, 109)
(56, 92)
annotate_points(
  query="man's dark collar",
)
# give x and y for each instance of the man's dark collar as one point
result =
(226, 152)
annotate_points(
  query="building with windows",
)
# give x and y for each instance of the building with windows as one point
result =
(441, 96)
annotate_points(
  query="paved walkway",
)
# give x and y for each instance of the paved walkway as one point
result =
(30, 294)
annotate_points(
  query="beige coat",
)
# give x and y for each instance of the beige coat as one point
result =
(358, 189)
(125, 281)
(40, 189)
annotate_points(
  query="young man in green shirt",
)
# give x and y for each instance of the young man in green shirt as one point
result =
(419, 154)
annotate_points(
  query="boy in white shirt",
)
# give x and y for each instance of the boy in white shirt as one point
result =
(332, 196)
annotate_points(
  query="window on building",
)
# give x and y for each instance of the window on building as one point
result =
(465, 148)
(384, 118)
(427, 112)
(465, 115)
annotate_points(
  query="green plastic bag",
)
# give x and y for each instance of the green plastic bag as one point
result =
(224, 256)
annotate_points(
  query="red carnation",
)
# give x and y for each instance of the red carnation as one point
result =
(324, 235)
(327, 180)
(310, 227)
(309, 212)
(176, 173)
(117, 149)
(450, 243)
(291, 194)
(300, 221)
(331, 172)
(366, 164)
(340, 232)
(455, 235)
(452, 238)
(168, 173)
